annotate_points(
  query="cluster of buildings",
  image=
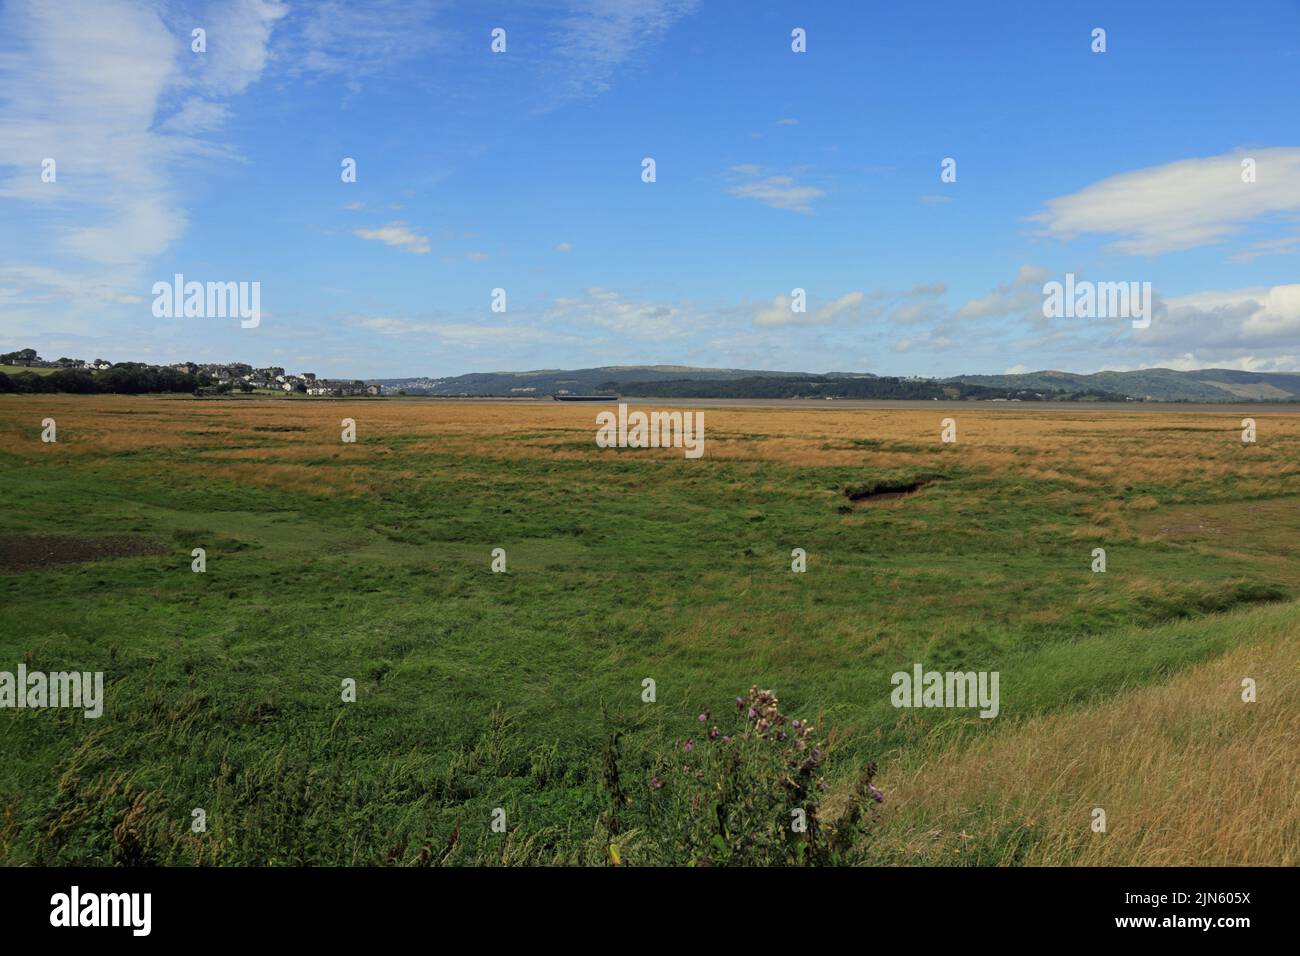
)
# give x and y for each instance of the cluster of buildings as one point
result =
(28, 358)
(234, 374)
(275, 377)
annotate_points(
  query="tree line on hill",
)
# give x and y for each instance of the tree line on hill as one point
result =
(125, 378)
(848, 387)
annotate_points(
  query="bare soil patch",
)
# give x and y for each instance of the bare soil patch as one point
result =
(31, 552)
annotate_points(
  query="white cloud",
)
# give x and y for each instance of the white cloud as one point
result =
(1180, 205)
(779, 192)
(357, 41)
(197, 116)
(471, 334)
(930, 342)
(385, 325)
(238, 35)
(1247, 319)
(599, 36)
(464, 334)
(913, 312)
(44, 285)
(1285, 246)
(607, 309)
(83, 90)
(1189, 362)
(92, 85)
(1254, 329)
(399, 235)
(903, 306)
(1022, 294)
(564, 247)
(589, 328)
(779, 312)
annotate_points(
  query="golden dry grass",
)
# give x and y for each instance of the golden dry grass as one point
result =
(281, 443)
(1085, 447)
(1187, 773)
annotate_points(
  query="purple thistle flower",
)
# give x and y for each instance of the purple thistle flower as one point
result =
(689, 745)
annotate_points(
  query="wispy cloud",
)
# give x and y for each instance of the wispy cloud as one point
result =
(597, 37)
(1285, 246)
(779, 192)
(196, 115)
(83, 87)
(399, 235)
(1248, 319)
(1181, 205)
(387, 325)
(921, 301)
(112, 93)
(589, 321)
(355, 41)
(42, 285)
(240, 34)
(117, 99)
(1022, 294)
(780, 311)
(607, 309)
(451, 333)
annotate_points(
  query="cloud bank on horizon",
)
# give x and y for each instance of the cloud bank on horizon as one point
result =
(438, 186)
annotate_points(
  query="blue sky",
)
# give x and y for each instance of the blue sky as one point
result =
(775, 170)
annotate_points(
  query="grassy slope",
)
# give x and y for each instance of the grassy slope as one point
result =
(479, 690)
(1187, 772)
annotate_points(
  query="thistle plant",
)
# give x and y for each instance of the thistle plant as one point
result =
(744, 791)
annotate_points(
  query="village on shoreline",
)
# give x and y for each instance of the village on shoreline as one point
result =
(211, 377)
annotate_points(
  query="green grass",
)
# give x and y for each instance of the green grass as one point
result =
(17, 369)
(479, 690)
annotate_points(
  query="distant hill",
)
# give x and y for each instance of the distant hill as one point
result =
(680, 381)
(854, 387)
(543, 383)
(1160, 384)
